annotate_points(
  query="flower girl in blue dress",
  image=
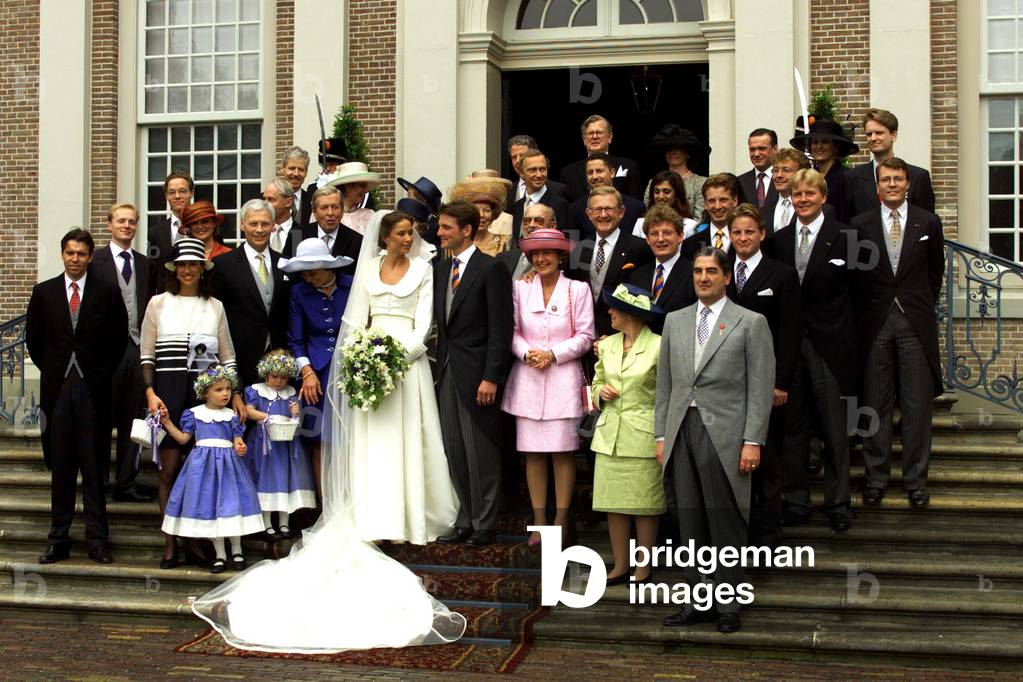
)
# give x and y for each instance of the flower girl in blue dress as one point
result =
(214, 496)
(284, 478)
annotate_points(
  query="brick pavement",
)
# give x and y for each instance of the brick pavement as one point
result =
(37, 650)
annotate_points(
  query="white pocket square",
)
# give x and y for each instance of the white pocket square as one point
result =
(925, 237)
(837, 261)
(765, 292)
(622, 172)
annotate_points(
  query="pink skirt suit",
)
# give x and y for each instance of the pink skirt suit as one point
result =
(547, 403)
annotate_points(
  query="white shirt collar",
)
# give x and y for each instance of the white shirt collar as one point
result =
(251, 254)
(463, 258)
(903, 211)
(815, 226)
(286, 225)
(712, 231)
(612, 239)
(81, 285)
(320, 232)
(117, 251)
(715, 308)
(768, 174)
(752, 262)
(537, 195)
(670, 263)
(175, 223)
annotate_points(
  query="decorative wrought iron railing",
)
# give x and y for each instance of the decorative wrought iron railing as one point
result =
(16, 408)
(981, 352)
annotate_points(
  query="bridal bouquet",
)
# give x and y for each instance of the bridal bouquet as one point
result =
(372, 364)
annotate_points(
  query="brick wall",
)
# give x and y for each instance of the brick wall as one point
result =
(19, 119)
(284, 75)
(103, 116)
(944, 113)
(840, 56)
(371, 85)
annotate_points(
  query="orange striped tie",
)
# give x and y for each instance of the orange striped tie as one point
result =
(658, 281)
(454, 275)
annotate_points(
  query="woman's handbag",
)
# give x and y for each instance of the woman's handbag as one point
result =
(588, 423)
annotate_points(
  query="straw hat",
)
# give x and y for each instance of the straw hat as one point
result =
(491, 190)
(200, 210)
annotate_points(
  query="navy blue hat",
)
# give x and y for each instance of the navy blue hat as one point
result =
(429, 191)
(414, 208)
(633, 300)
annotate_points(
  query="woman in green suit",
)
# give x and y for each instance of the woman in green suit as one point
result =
(627, 478)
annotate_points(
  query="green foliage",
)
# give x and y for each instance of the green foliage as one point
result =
(349, 128)
(823, 104)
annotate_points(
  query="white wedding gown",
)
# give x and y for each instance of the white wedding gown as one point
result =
(384, 476)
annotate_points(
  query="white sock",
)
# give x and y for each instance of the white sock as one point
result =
(282, 518)
(267, 523)
(218, 547)
(236, 544)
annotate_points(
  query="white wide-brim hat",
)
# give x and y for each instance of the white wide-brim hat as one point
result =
(313, 254)
(189, 250)
(353, 171)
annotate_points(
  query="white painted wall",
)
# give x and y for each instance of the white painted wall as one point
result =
(321, 40)
(64, 45)
(900, 73)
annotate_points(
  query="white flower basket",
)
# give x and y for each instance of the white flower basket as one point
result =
(141, 434)
(281, 428)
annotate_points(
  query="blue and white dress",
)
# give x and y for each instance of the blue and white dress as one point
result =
(214, 495)
(284, 476)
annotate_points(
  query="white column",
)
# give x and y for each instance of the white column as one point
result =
(764, 84)
(900, 44)
(321, 47)
(427, 108)
(479, 113)
(64, 58)
(721, 78)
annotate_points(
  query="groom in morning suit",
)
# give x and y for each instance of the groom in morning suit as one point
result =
(472, 305)
(75, 333)
(714, 388)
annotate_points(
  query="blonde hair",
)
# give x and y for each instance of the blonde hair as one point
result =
(808, 176)
(117, 207)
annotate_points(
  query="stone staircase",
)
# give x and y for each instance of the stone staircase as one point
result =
(938, 587)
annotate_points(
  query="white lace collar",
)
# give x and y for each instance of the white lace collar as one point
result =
(205, 414)
(263, 390)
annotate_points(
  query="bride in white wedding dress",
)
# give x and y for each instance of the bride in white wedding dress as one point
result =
(385, 476)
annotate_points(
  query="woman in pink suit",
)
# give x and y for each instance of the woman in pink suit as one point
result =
(553, 330)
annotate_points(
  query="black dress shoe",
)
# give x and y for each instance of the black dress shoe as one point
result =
(167, 564)
(618, 579)
(55, 553)
(839, 521)
(689, 615)
(455, 536)
(873, 496)
(919, 498)
(480, 538)
(101, 555)
(729, 622)
(132, 495)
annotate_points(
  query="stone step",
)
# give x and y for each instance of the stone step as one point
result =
(994, 427)
(973, 501)
(851, 638)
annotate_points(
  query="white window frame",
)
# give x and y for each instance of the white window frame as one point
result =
(607, 25)
(144, 119)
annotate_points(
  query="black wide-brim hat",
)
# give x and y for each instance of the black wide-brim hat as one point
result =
(427, 189)
(625, 298)
(828, 130)
(674, 136)
(335, 149)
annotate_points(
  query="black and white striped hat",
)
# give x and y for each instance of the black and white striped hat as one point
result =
(188, 250)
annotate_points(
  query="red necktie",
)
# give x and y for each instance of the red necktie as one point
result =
(76, 300)
(761, 192)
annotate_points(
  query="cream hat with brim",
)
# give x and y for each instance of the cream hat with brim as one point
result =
(313, 254)
(353, 171)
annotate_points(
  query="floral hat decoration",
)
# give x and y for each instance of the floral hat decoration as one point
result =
(214, 375)
(278, 363)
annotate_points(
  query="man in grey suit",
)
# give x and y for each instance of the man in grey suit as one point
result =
(715, 382)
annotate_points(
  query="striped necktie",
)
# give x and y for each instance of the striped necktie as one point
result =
(658, 281)
(454, 275)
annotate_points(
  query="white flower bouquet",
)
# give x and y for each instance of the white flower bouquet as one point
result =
(372, 365)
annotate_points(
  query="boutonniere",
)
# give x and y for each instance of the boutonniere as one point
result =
(721, 329)
(628, 266)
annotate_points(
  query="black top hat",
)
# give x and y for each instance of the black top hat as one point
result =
(414, 208)
(674, 136)
(628, 301)
(335, 149)
(829, 130)
(429, 191)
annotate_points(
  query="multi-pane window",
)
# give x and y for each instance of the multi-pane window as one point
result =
(200, 108)
(1002, 115)
(201, 56)
(223, 159)
(536, 14)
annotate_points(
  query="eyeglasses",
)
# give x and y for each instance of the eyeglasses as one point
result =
(603, 210)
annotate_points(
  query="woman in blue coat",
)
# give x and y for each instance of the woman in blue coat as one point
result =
(317, 304)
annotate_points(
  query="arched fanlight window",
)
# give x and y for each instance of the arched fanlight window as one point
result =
(541, 14)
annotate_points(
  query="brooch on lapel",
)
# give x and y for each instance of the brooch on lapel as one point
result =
(554, 308)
